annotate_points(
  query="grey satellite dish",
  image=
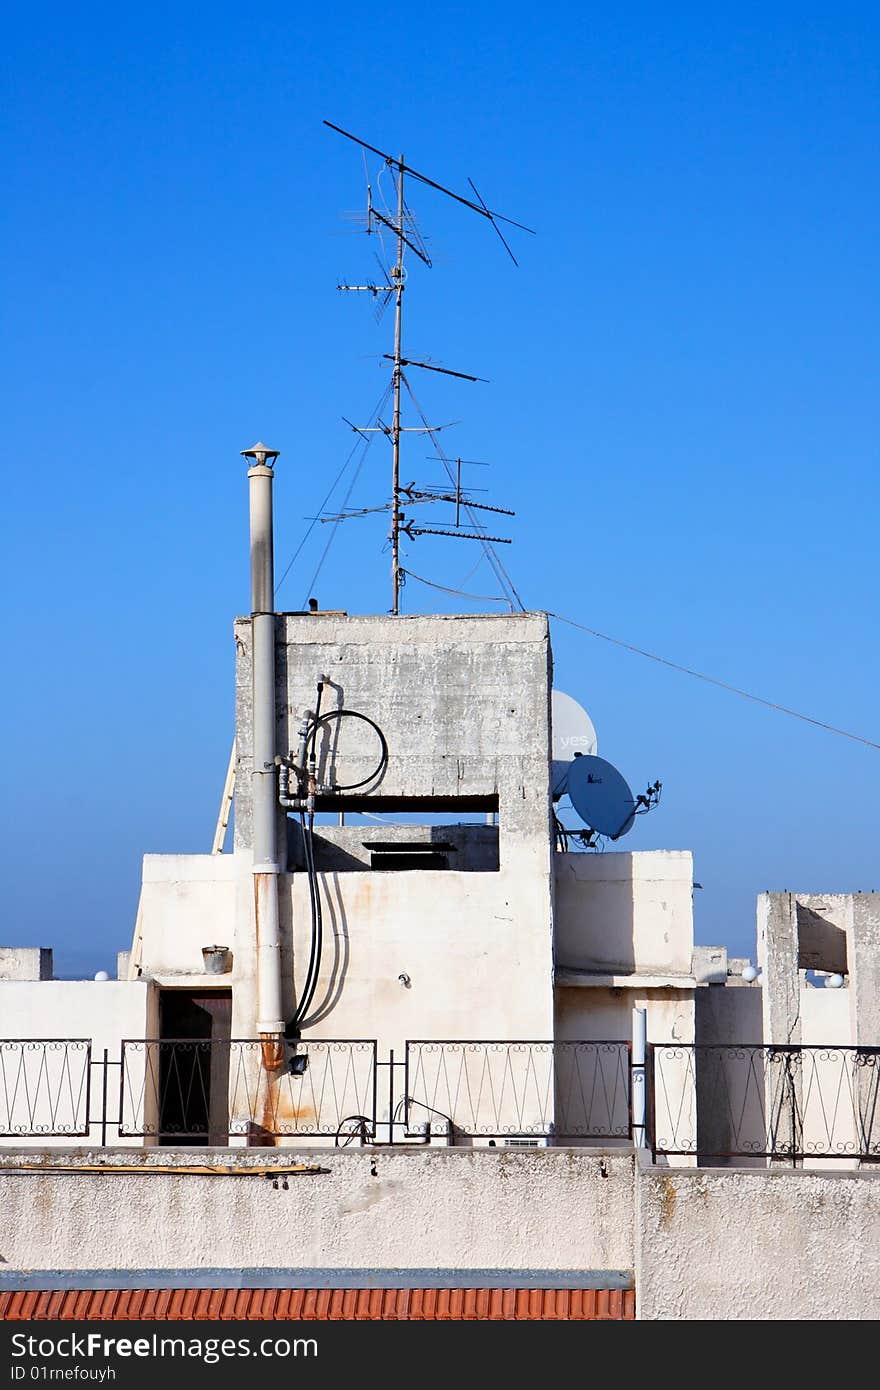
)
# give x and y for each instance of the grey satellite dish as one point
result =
(601, 797)
(573, 734)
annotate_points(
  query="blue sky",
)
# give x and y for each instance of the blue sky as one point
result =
(682, 400)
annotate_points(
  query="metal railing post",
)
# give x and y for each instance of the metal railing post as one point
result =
(637, 1085)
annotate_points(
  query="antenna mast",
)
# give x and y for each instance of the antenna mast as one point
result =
(400, 226)
(397, 277)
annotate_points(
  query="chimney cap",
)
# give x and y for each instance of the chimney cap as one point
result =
(261, 453)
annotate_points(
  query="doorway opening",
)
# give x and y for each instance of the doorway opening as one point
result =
(194, 1029)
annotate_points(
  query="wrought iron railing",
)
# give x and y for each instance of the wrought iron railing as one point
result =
(44, 1087)
(497, 1089)
(743, 1103)
(715, 1101)
(211, 1090)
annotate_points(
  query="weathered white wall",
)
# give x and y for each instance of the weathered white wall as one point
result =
(473, 946)
(103, 1011)
(742, 1244)
(625, 912)
(25, 963)
(607, 1013)
(837, 932)
(826, 1017)
(544, 1209)
(187, 901)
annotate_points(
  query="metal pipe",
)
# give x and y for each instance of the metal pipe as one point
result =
(639, 1057)
(397, 277)
(266, 868)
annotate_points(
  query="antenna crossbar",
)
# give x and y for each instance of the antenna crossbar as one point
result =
(413, 531)
(431, 183)
(393, 227)
(415, 495)
(430, 367)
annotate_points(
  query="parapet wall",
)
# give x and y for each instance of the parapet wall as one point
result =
(746, 1244)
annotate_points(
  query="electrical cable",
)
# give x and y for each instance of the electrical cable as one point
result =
(316, 948)
(723, 685)
(317, 941)
(363, 1130)
(504, 580)
(325, 720)
(410, 1100)
(292, 1029)
(335, 527)
(460, 593)
(337, 480)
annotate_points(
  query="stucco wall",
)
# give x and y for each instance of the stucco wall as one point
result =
(544, 1208)
(740, 1244)
(25, 963)
(47, 1087)
(625, 912)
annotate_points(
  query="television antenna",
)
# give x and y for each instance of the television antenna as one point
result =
(390, 286)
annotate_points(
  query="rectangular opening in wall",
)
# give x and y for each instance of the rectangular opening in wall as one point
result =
(394, 854)
(405, 836)
(193, 1066)
(821, 944)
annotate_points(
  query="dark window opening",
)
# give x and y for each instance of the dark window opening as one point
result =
(393, 855)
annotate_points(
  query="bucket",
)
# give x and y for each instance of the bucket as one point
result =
(216, 959)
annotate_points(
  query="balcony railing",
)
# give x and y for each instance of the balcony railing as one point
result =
(714, 1101)
(210, 1090)
(706, 1103)
(503, 1089)
(44, 1087)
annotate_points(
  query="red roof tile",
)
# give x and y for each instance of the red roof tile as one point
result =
(320, 1304)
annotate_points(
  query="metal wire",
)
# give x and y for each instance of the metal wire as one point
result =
(482, 598)
(723, 685)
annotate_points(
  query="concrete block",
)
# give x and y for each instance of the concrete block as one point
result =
(25, 963)
(710, 965)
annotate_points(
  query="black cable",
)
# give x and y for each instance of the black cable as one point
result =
(410, 1100)
(317, 945)
(291, 1030)
(323, 721)
(362, 1129)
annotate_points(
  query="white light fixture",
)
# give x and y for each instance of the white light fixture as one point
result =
(102, 975)
(749, 974)
(834, 982)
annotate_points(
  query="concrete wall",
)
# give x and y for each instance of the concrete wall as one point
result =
(545, 1209)
(46, 1087)
(729, 1014)
(837, 932)
(728, 1245)
(625, 912)
(25, 963)
(188, 901)
(710, 1244)
(463, 702)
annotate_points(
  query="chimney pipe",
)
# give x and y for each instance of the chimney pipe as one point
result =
(266, 868)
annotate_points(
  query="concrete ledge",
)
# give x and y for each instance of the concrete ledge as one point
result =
(598, 979)
(52, 1279)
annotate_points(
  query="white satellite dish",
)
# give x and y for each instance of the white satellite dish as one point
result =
(573, 735)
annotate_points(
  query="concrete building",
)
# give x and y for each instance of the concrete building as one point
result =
(397, 996)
